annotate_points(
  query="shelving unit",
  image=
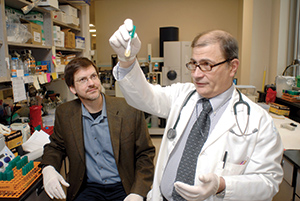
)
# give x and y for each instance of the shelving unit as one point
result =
(64, 25)
(41, 52)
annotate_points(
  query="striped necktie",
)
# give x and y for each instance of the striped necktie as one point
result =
(196, 139)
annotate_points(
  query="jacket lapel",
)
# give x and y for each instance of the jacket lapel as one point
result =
(77, 128)
(114, 124)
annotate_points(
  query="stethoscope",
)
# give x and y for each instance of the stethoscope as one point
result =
(171, 134)
(243, 133)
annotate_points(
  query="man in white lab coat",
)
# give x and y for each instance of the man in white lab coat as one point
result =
(240, 160)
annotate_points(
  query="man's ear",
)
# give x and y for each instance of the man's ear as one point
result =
(234, 64)
(72, 89)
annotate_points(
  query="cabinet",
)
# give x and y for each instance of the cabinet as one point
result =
(290, 186)
(41, 52)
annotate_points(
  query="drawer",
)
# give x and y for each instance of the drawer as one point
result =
(298, 183)
(296, 198)
(288, 168)
(285, 192)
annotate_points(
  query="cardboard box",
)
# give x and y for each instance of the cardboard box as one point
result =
(80, 42)
(13, 139)
(49, 4)
(72, 20)
(279, 109)
(69, 57)
(59, 16)
(69, 10)
(69, 38)
(35, 30)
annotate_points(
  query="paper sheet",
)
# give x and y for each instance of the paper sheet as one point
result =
(36, 83)
(18, 89)
(37, 141)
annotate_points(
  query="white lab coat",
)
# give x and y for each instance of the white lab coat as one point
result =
(257, 179)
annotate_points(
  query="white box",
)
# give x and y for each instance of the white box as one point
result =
(60, 68)
(56, 32)
(49, 4)
(60, 40)
(69, 10)
(80, 42)
(56, 28)
(59, 16)
(72, 20)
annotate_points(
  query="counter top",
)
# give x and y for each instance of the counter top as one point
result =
(290, 139)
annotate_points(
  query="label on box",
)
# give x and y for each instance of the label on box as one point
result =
(37, 37)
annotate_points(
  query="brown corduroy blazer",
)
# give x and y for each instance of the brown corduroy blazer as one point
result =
(131, 143)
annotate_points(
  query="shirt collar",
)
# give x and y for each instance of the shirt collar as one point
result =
(86, 113)
(219, 100)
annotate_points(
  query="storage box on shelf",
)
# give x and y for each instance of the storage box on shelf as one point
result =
(42, 16)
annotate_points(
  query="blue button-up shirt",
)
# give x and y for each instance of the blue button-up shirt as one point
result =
(100, 161)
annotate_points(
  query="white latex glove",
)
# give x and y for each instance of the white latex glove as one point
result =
(209, 186)
(4, 129)
(52, 181)
(120, 38)
(133, 197)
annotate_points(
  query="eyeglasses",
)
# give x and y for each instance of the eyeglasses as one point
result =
(204, 66)
(84, 80)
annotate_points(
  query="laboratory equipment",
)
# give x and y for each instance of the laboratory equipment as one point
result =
(5, 154)
(176, 55)
(284, 83)
(167, 34)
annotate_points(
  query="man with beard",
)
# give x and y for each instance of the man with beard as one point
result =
(106, 141)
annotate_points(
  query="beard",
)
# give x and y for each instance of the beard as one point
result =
(90, 96)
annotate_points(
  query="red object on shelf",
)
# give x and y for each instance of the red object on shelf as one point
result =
(48, 129)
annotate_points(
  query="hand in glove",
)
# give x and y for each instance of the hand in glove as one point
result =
(121, 37)
(209, 185)
(52, 181)
(133, 197)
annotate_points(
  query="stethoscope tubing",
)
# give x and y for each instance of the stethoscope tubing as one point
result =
(171, 134)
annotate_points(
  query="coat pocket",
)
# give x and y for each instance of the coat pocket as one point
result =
(230, 168)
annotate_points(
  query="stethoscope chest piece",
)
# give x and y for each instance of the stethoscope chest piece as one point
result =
(171, 134)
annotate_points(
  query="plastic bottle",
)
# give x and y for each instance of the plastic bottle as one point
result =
(154, 81)
(23, 67)
(13, 66)
(156, 68)
(29, 62)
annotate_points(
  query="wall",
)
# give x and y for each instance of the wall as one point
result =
(191, 16)
(261, 28)
(264, 41)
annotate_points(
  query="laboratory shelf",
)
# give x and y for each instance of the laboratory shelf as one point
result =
(26, 45)
(21, 3)
(68, 49)
(64, 25)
